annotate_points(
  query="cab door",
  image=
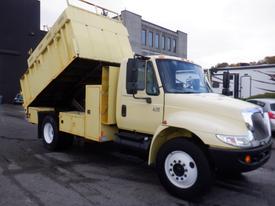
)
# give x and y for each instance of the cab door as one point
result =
(143, 111)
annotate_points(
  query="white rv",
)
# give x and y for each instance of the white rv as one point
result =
(243, 81)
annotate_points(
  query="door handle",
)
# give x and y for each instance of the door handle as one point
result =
(123, 110)
(148, 99)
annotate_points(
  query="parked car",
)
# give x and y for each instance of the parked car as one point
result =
(18, 99)
(268, 105)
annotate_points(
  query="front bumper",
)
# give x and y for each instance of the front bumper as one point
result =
(234, 160)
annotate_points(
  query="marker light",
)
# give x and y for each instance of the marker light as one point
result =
(247, 159)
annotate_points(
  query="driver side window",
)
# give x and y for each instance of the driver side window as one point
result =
(151, 81)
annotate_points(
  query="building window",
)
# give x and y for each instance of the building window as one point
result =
(169, 44)
(157, 41)
(174, 43)
(143, 37)
(150, 39)
(163, 42)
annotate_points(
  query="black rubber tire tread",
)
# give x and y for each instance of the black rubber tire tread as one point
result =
(204, 180)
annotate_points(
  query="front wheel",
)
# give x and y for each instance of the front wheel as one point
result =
(183, 168)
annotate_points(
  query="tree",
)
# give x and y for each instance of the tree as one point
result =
(220, 65)
(269, 60)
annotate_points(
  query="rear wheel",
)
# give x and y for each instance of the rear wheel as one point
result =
(183, 168)
(53, 139)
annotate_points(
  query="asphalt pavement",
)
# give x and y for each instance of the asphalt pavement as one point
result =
(98, 174)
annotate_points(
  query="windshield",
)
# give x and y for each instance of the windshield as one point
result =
(182, 77)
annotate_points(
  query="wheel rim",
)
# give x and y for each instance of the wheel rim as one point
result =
(48, 133)
(181, 169)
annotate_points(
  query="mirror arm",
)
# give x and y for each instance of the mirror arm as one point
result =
(148, 99)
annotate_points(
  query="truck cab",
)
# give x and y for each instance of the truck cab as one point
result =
(170, 100)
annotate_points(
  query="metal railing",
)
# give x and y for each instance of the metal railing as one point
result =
(98, 9)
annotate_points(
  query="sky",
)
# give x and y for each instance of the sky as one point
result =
(218, 30)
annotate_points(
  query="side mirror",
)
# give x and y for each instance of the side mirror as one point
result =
(131, 77)
(133, 83)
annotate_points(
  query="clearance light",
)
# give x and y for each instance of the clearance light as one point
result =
(247, 159)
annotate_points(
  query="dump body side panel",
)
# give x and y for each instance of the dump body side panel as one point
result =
(79, 42)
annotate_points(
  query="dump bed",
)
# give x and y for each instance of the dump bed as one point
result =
(71, 55)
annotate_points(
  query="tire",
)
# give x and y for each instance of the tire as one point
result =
(53, 139)
(183, 169)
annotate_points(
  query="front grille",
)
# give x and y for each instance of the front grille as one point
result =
(260, 128)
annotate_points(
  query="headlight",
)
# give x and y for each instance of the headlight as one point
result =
(244, 140)
(239, 141)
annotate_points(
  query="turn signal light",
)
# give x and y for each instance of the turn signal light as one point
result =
(247, 159)
(271, 115)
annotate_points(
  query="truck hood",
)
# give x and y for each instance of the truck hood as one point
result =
(210, 104)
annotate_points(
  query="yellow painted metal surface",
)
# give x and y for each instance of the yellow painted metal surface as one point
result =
(72, 122)
(76, 34)
(108, 132)
(93, 112)
(32, 113)
(88, 124)
(95, 128)
(141, 116)
(104, 95)
(109, 93)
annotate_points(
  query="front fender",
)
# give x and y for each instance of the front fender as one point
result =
(163, 134)
(189, 124)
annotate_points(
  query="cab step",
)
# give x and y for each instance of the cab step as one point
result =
(134, 141)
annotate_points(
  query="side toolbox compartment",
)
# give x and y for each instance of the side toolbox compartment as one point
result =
(72, 122)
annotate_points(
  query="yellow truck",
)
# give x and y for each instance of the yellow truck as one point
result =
(84, 81)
